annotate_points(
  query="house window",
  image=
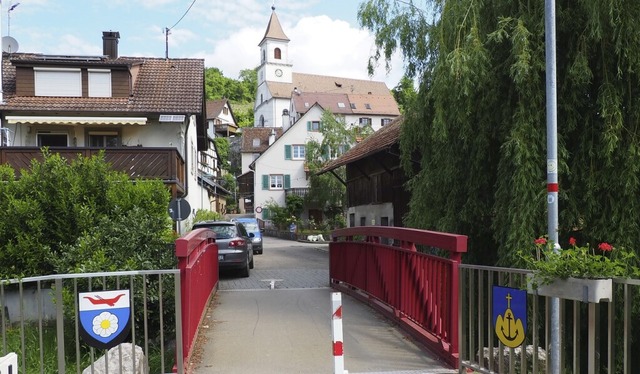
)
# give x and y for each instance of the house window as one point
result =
(58, 82)
(225, 110)
(277, 54)
(313, 126)
(341, 105)
(367, 106)
(353, 105)
(276, 182)
(104, 139)
(256, 142)
(364, 121)
(48, 139)
(99, 83)
(385, 121)
(297, 152)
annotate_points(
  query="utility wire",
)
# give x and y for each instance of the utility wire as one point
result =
(167, 29)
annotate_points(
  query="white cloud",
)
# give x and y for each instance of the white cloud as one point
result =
(319, 45)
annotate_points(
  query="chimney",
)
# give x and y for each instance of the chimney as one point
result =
(272, 136)
(110, 43)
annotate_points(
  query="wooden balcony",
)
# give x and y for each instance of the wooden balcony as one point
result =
(137, 162)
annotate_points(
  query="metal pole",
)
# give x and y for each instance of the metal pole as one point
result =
(552, 167)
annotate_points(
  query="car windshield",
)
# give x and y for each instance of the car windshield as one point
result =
(224, 231)
(251, 226)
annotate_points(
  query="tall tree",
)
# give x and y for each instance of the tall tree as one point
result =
(479, 120)
(327, 191)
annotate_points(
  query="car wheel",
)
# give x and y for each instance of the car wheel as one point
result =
(245, 270)
(251, 263)
(260, 251)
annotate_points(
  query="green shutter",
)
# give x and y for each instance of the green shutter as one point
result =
(308, 125)
(265, 182)
(287, 181)
(287, 152)
(266, 214)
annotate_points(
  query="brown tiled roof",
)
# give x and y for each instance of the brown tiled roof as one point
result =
(322, 83)
(262, 133)
(380, 140)
(328, 101)
(214, 107)
(377, 104)
(274, 29)
(161, 85)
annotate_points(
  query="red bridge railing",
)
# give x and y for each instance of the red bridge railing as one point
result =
(382, 266)
(197, 254)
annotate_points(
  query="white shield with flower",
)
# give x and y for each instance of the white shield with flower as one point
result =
(104, 317)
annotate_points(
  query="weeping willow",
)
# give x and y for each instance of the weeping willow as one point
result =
(478, 123)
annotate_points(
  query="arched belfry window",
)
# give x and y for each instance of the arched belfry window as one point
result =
(264, 55)
(261, 124)
(277, 54)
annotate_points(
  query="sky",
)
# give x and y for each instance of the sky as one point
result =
(326, 38)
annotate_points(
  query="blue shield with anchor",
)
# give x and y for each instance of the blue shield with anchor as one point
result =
(510, 315)
(104, 317)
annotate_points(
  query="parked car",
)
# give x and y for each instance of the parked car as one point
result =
(235, 247)
(252, 226)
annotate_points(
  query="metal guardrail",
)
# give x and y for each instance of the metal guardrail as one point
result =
(595, 337)
(39, 319)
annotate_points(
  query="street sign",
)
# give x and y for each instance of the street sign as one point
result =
(179, 209)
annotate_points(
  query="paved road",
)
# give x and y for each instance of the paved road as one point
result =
(279, 321)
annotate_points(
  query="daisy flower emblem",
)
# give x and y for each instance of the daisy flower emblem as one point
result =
(105, 324)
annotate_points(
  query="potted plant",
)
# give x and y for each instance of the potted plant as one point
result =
(582, 273)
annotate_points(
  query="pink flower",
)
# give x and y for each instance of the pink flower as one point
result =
(572, 241)
(540, 241)
(605, 247)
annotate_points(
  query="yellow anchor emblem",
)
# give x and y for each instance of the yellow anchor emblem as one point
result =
(510, 330)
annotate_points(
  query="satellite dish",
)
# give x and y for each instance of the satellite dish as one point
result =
(9, 44)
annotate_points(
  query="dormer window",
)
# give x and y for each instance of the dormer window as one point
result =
(99, 82)
(66, 82)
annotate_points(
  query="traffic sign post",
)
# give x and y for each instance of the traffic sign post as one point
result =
(179, 210)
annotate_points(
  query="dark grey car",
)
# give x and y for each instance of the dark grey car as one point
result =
(235, 248)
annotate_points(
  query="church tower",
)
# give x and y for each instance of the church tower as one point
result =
(274, 68)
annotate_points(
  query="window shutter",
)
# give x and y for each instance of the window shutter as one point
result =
(265, 182)
(287, 152)
(325, 152)
(265, 213)
(287, 181)
(308, 125)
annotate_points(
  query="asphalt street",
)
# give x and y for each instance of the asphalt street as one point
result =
(279, 321)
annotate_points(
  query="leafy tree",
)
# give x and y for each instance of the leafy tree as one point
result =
(479, 119)
(325, 190)
(404, 93)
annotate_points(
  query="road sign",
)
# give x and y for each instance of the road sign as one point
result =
(179, 209)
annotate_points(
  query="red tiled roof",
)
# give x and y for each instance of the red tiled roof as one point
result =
(376, 142)
(160, 86)
(323, 83)
(214, 107)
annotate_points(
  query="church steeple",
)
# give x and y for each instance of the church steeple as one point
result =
(274, 29)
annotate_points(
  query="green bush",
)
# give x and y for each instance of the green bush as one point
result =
(63, 217)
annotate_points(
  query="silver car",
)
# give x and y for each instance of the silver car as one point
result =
(235, 248)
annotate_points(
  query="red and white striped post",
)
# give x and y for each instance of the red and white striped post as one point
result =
(336, 333)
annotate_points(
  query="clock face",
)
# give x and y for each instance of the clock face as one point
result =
(278, 72)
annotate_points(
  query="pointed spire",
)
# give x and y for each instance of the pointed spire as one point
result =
(274, 29)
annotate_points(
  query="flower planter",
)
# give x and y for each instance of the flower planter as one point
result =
(580, 289)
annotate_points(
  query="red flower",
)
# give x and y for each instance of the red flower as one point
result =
(540, 241)
(572, 241)
(605, 247)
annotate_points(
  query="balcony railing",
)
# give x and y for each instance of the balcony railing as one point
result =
(301, 191)
(137, 162)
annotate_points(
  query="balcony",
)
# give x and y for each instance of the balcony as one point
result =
(302, 192)
(165, 164)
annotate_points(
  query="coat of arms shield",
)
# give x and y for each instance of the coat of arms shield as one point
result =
(105, 317)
